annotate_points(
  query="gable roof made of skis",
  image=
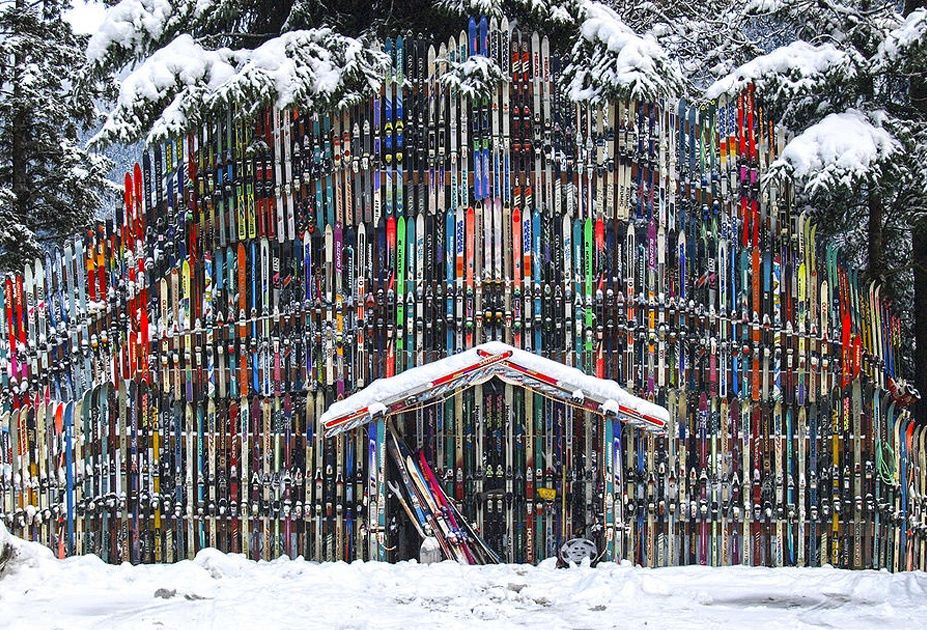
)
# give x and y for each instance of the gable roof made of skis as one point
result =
(433, 382)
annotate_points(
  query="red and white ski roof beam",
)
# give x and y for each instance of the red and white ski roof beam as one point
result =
(433, 382)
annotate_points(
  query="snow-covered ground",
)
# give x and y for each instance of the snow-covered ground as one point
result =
(223, 591)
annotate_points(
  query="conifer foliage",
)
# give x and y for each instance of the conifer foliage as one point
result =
(190, 58)
(841, 84)
(49, 184)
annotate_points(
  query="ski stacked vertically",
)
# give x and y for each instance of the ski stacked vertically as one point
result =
(165, 371)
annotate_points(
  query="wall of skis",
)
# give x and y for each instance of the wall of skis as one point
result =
(164, 372)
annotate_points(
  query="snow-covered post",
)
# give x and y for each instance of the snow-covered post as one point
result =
(430, 551)
(6, 546)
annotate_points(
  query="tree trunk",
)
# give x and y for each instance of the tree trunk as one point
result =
(874, 229)
(919, 255)
(18, 145)
(919, 251)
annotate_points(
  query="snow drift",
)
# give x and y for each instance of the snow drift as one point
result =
(228, 591)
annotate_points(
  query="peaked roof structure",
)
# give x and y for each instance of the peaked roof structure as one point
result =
(433, 382)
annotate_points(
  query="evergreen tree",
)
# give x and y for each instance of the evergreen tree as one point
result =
(842, 87)
(916, 17)
(707, 38)
(49, 185)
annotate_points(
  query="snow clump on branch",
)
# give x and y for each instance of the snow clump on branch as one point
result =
(840, 150)
(610, 60)
(182, 81)
(796, 68)
(128, 25)
(902, 44)
(476, 77)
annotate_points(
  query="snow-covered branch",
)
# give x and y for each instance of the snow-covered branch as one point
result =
(610, 60)
(489, 8)
(905, 47)
(475, 77)
(841, 150)
(130, 26)
(177, 84)
(796, 69)
(564, 12)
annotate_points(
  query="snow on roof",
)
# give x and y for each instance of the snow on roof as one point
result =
(837, 150)
(434, 381)
(797, 66)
